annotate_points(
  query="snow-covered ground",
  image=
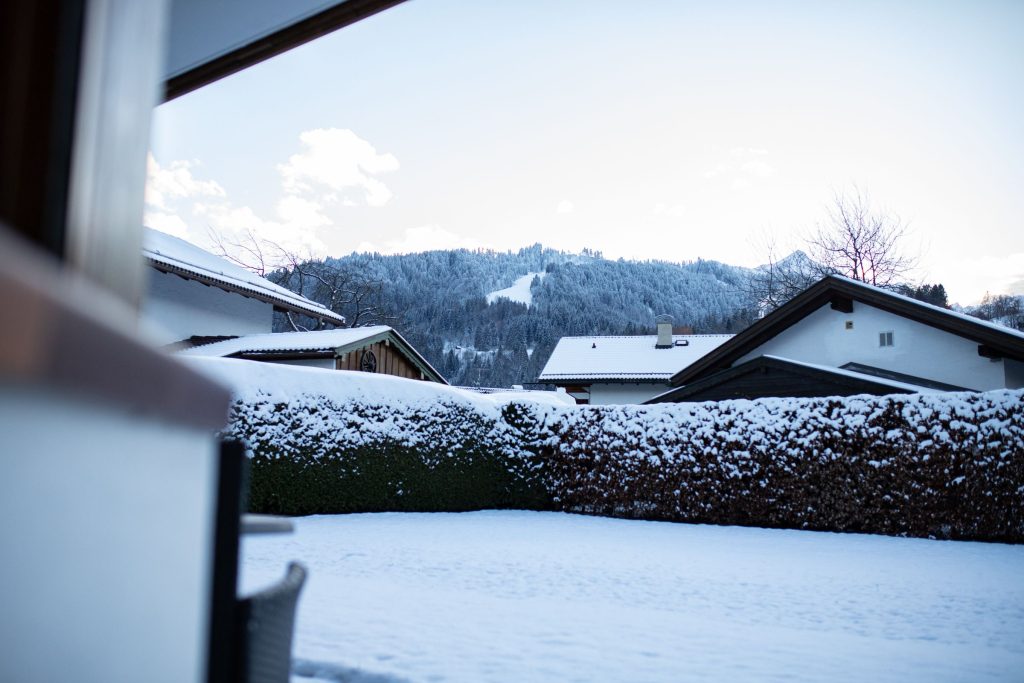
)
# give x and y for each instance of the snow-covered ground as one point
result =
(526, 596)
(519, 291)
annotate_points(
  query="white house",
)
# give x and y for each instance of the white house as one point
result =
(375, 348)
(192, 294)
(624, 369)
(841, 337)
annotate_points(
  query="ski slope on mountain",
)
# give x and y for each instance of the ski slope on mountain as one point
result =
(519, 291)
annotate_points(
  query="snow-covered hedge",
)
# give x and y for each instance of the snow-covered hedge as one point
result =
(330, 441)
(942, 465)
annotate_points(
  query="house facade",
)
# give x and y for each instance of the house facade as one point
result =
(624, 369)
(192, 294)
(841, 337)
(375, 349)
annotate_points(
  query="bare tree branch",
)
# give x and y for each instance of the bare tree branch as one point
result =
(344, 291)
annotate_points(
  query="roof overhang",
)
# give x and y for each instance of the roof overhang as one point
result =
(843, 382)
(841, 294)
(603, 379)
(209, 40)
(278, 302)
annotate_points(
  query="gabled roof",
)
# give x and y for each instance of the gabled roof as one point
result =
(813, 377)
(170, 254)
(841, 293)
(626, 358)
(325, 342)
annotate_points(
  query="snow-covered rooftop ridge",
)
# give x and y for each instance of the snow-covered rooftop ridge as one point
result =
(186, 257)
(253, 381)
(626, 357)
(938, 309)
(318, 340)
(896, 384)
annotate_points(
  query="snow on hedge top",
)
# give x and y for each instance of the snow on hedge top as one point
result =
(626, 357)
(519, 291)
(255, 381)
(187, 258)
(317, 340)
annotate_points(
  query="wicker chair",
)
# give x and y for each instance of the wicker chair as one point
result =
(267, 623)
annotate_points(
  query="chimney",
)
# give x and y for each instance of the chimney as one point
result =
(664, 332)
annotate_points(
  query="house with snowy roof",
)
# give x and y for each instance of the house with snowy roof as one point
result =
(624, 369)
(841, 337)
(193, 295)
(375, 349)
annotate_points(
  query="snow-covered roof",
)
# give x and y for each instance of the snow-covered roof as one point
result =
(172, 254)
(334, 341)
(318, 340)
(630, 358)
(836, 290)
(936, 309)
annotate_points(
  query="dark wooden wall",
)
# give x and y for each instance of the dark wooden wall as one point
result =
(390, 361)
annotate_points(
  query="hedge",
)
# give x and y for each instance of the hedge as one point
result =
(938, 465)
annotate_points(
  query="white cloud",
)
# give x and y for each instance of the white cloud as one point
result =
(169, 223)
(756, 167)
(747, 152)
(744, 165)
(175, 182)
(333, 171)
(422, 238)
(338, 160)
(565, 206)
(967, 281)
(670, 210)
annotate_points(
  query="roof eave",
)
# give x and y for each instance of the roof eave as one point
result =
(838, 292)
(278, 303)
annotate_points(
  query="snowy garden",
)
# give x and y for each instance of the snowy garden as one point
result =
(437, 585)
(532, 596)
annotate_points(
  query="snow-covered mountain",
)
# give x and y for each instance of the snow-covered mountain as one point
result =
(491, 319)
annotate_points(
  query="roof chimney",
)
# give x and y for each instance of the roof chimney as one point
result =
(664, 332)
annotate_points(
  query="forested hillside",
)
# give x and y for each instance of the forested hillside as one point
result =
(440, 302)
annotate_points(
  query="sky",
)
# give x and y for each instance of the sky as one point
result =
(653, 130)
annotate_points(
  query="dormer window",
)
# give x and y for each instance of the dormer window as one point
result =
(885, 339)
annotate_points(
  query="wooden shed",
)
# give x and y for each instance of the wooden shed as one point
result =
(377, 348)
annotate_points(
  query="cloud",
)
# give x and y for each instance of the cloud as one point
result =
(744, 165)
(968, 280)
(565, 206)
(176, 182)
(672, 211)
(756, 167)
(422, 238)
(341, 162)
(170, 223)
(334, 170)
(747, 152)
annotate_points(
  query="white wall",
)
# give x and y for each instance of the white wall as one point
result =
(107, 543)
(604, 394)
(175, 308)
(918, 350)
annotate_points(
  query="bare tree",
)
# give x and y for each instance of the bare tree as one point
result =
(342, 290)
(861, 242)
(856, 241)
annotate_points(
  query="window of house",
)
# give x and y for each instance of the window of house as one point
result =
(885, 338)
